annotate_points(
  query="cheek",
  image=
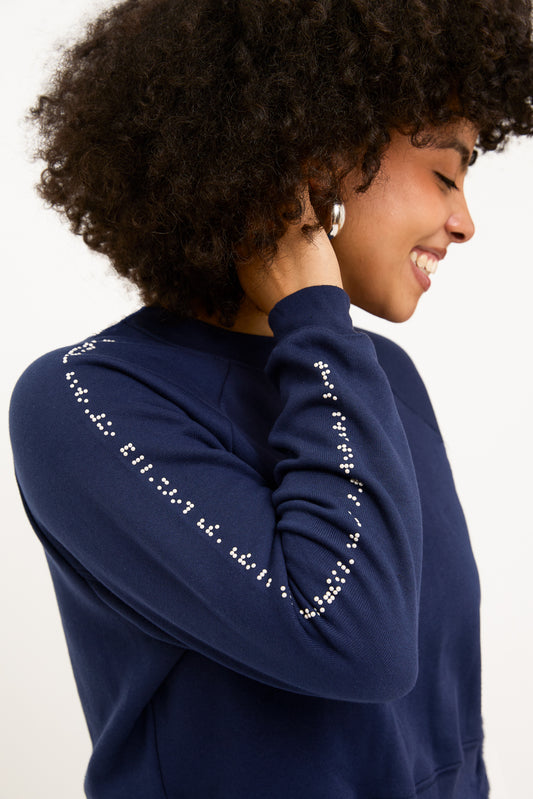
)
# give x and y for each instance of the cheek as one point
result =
(366, 238)
(365, 215)
(385, 205)
(391, 217)
(415, 214)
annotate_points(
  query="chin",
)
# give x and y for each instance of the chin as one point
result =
(400, 316)
(396, 315)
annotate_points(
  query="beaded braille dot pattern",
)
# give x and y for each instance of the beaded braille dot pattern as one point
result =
(145, 467)
(140, 461)
(337, 577)
(87, 346)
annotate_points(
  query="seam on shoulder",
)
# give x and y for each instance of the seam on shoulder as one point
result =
(432, 427)
(220, 401)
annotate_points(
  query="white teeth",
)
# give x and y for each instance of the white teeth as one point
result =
(424, 262)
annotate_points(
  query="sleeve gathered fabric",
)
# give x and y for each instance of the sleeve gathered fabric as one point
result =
(219, 511)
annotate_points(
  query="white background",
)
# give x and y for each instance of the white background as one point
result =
(471, 339)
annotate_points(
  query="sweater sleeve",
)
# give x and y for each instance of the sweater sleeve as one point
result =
(311, 585)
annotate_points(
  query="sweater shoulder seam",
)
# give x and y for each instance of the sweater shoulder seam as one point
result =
(417, 413)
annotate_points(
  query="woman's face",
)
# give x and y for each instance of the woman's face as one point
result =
(398, 230)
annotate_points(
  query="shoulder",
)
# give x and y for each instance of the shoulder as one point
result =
(130, 355)
(404, 378)
(111, 384)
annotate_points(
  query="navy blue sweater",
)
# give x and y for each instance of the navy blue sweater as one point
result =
(263, 570)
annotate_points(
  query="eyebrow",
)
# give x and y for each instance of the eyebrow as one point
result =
(458, 146)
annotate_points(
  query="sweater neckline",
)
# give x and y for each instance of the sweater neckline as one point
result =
(194, 334)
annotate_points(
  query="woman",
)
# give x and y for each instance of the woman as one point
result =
(263, 570)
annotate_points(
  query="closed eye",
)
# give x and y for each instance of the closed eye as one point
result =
(450, 184)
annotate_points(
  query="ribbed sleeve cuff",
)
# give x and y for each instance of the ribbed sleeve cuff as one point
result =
(315, 306)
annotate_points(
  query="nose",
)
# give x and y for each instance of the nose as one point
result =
(460, 226)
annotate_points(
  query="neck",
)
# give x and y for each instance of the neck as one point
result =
(249, 320)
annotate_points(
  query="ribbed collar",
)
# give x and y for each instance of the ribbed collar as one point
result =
(194, 334)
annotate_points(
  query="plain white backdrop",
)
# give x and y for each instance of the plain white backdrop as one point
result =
(470, 338)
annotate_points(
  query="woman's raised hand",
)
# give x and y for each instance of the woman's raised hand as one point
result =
(299, 263)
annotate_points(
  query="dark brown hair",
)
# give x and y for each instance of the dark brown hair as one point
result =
(179, 132)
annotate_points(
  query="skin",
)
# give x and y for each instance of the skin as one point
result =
(410, 206)
(416, 203)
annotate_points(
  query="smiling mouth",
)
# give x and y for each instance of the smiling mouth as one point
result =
(425, 262)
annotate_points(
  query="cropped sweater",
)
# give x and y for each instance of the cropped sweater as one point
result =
(262, 567)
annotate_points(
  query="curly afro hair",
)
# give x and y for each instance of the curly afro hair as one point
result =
(178, 133)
